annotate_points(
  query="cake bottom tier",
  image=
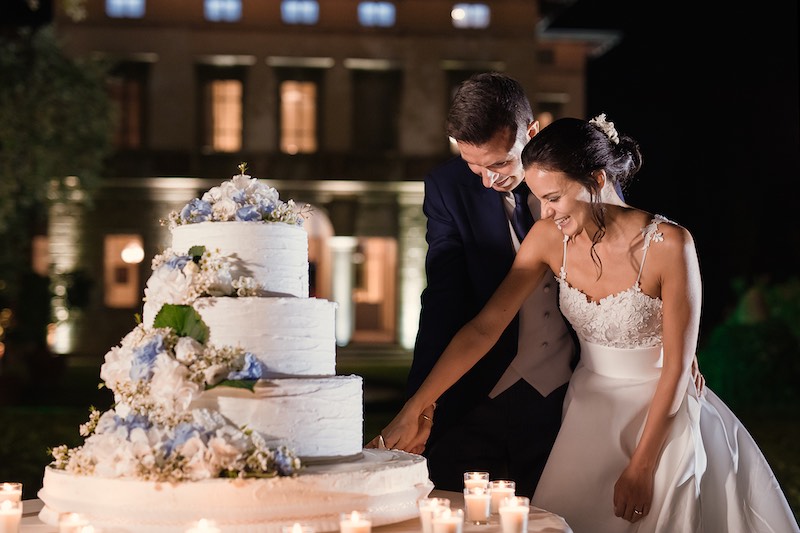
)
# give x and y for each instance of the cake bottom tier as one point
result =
(384, 483)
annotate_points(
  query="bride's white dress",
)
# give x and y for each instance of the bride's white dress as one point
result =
(711, 476)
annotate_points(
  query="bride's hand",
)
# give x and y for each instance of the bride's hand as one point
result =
(404, 432)
(633, 493)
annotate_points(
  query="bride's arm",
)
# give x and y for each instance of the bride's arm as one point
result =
(681, 292)
(475, 338)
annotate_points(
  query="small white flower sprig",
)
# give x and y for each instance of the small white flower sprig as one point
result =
(152, 433)
(183, 278)
(606, 126)
(242, 198)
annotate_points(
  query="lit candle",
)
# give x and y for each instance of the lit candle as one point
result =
(477, 504)
(426, 508)
(446, 520)
(204, 526)
(71, 523)
(514, 514)
(355, 522)
(11, 491)
(476, 479)
(10, 516)
(501, 489)
(297, 528)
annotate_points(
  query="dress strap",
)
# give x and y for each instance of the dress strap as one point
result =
(650, 234)
(563, 272)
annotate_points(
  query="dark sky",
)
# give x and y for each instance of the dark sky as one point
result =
(713, 100)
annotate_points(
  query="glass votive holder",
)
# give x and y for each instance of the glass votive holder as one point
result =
(501, 489)
(71, 523)
(447, 520)
(514, 513)
(427, 506)
(204, 526)
(297, 528)
(476, 479)
(10, 516)
(11, 490)
(355, 522)
(477, 504)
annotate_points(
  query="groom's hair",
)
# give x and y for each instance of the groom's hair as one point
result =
(485, 104)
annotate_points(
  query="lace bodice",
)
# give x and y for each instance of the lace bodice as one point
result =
(628, 319)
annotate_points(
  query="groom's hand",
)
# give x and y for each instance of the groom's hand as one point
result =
(417, 445)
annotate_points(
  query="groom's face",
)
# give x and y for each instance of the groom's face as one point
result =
(498, 161)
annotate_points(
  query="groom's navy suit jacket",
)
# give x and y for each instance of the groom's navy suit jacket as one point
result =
(470, 251)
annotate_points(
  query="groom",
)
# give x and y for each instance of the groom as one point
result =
(504, 414)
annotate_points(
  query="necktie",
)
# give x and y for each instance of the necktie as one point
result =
(521, 218)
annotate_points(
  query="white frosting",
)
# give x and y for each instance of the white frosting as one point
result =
(290, 336)
(275, 254)
(384, 483)
(315, 417)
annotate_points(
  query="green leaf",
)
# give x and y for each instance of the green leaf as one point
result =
(249, 384)
(196, 252)
(184, 320)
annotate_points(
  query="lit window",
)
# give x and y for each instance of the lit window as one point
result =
(298, 117)
(470, 15)
(376, 14)
(300, 11)
(223, 10)
(121, 258)
(225, 129)
(133, 9)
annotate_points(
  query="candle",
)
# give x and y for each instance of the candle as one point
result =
(11, 491)
(204, 526)
(446, 520)
(477, 504)
(71, 523)
(355, 522)
(476, 479)
(297, 528)
(10, 516)
(426, 508)
(514, 514)
(501, 489)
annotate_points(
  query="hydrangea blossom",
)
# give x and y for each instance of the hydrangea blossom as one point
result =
(242, 198)
(182, 278)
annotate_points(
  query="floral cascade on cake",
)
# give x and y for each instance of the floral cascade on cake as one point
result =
(152, 433)
(227, 403)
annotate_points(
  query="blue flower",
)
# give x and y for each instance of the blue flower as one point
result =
(183, 432)
(177, 262)
(284, 462)
(266, 207)
(144, 357)
(248, 213)
(196, 211)
(252, 369)
(240, 197)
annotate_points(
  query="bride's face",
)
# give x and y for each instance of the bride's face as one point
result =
(562, 199)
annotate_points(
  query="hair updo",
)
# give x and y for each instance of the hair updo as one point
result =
(579, 148)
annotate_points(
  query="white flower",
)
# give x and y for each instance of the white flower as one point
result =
(170, 387)
(606, 127)
(188, 350)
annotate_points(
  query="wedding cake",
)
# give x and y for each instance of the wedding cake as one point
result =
(227, 404)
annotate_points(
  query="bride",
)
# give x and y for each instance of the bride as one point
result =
(638, 450)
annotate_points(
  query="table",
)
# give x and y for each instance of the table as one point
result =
(538, 520)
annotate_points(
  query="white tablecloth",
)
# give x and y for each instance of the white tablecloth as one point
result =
(538, 521)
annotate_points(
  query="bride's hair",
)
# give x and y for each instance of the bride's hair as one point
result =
(580, 148)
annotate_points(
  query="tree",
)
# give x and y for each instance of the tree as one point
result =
(55, 121)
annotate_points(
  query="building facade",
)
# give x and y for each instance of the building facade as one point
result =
(337, 103)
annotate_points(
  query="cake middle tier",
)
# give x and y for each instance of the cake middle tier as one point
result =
(318, 418)
(290, 336)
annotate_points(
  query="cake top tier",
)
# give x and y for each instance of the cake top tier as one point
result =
(243, 199)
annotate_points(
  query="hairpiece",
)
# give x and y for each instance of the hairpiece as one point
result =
(606, 127)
